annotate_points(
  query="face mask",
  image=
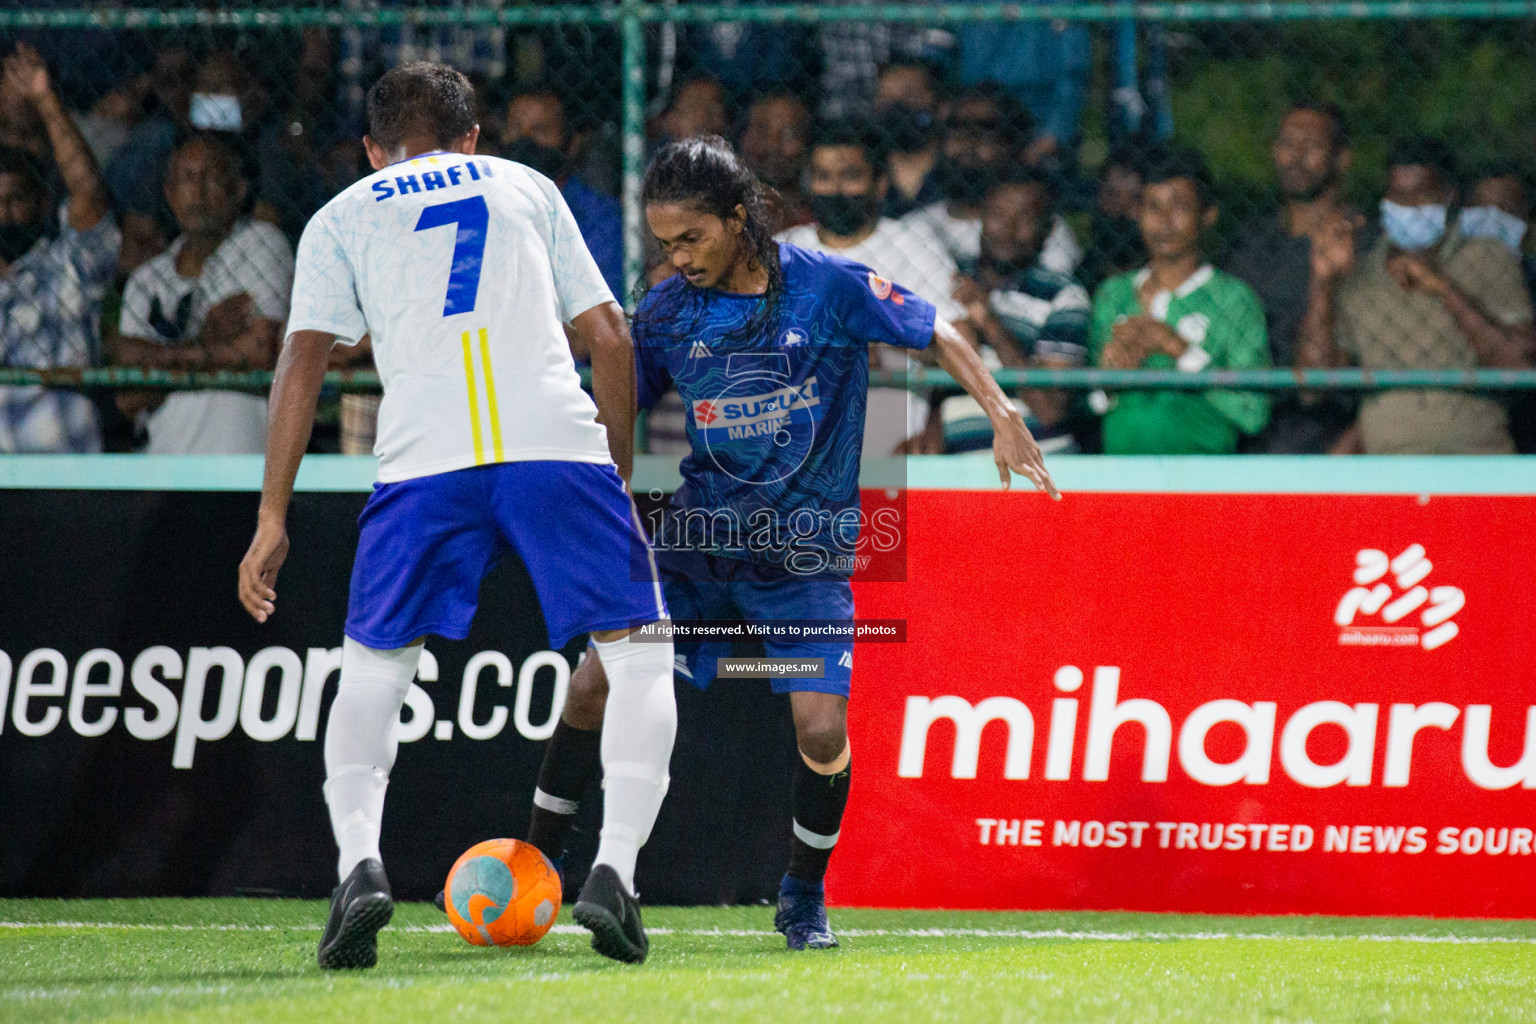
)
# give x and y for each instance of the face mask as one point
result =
(547, 160)
(842, 215)
(16, 240)
(906, 129)
(1412, 227)
(965, 184)
(215, 112)
(1492, 222)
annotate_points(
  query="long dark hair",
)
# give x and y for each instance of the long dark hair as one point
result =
(705, 173)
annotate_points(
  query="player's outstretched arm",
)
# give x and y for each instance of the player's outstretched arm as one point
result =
(1013, 449)
(603, 334)
(290, 418)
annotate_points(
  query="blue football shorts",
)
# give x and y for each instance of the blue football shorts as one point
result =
(426, 543)
(702, 586)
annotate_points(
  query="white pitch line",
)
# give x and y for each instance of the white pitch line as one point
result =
(1096, 936)
(129, 926)
(905, 933)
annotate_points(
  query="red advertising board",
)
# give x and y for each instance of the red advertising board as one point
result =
(1237, 703)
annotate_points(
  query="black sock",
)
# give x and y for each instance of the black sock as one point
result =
(572, 761)
(819, 803)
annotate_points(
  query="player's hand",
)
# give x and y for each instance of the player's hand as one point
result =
(1015, 451)
(258, 569)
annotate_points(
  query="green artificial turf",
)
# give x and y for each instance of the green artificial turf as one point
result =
(253, 960)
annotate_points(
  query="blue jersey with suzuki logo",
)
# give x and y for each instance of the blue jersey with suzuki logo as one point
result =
(775, 398)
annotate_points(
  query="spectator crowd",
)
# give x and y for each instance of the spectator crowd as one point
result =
(150, 222)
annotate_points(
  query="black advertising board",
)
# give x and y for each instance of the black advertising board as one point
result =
(157, 742)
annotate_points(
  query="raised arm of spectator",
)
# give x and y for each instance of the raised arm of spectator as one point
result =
(27, 73)
(1013, 449)
(1505, 346)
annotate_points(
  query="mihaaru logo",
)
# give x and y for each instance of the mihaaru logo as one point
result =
(1373, 597)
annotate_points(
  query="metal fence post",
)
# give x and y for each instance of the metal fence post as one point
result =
(634, 144)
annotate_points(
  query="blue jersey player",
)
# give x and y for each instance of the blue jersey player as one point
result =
(768, 346)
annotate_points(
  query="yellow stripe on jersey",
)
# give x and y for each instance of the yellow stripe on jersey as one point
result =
(490, 394)
(474, 402)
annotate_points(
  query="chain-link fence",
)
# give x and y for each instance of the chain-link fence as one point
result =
(1091, 191)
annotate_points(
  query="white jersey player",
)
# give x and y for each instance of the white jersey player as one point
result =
(466, 272)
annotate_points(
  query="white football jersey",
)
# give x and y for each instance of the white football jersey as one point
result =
(463, 270)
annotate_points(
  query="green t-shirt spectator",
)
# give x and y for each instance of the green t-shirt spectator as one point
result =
(1223, 323)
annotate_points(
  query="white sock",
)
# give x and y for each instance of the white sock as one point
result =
(360, 745)
(639, 726)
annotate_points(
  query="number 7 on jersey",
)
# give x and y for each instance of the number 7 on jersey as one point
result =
(471, 216)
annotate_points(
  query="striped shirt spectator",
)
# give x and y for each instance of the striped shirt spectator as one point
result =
(1026, 314)
(1047, 313)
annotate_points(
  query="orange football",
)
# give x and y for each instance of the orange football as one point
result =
(502, 892)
